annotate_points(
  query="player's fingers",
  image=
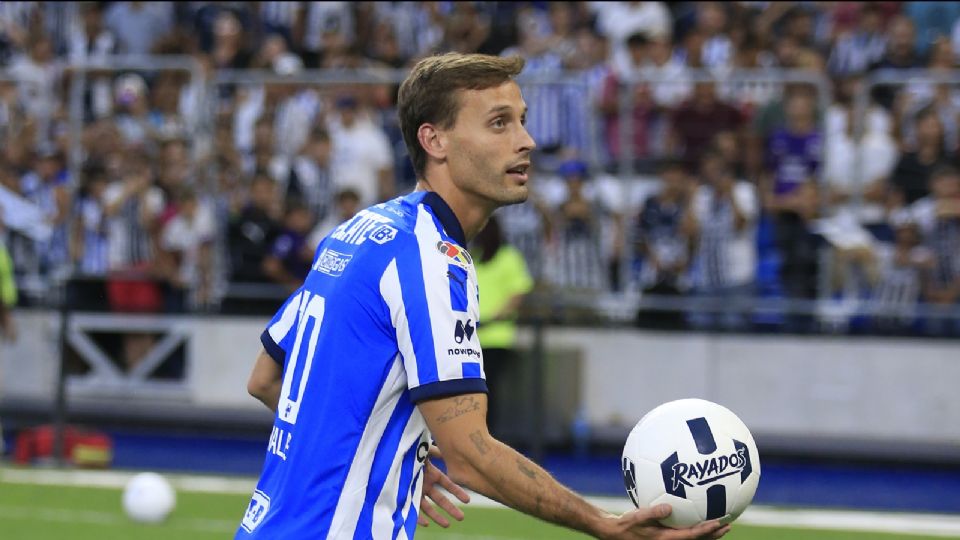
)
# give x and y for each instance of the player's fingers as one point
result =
(432, 513)
(720, 532)
(442, 501)
(701, 531)
(435, 452)
(645, 516)
(454, 489)
(422, 519)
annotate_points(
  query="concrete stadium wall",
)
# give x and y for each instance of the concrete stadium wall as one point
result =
(884, 391)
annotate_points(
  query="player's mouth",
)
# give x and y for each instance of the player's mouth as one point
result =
(519, 172)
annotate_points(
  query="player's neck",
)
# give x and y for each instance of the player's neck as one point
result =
(471, 213)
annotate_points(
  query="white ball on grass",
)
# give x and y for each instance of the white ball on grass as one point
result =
(148, 498)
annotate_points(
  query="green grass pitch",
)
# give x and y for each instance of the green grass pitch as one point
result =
(40, 512)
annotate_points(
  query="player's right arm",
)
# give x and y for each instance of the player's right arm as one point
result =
(478, 461)
(266, 380)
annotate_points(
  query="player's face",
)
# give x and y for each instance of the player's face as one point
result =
(490, 148)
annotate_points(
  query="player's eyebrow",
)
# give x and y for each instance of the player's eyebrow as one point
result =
(505, 108)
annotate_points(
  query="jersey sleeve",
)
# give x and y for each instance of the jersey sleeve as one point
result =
(277, 338)
(433, 300)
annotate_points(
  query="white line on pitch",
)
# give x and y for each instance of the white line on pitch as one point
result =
(894, 522)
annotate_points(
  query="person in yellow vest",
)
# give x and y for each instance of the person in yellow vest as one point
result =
(504, 280)
(8, 291)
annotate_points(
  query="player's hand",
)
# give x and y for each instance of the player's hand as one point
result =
(643, 524)
(433, 480)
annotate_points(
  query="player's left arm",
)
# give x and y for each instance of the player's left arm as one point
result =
(266, 380)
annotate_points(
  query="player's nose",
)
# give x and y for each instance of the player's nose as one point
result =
(527, 144)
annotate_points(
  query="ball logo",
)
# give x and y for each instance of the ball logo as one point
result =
(678, 475)
(708, 471)
(630, 480)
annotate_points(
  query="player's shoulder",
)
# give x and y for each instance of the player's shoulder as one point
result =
(404, 222)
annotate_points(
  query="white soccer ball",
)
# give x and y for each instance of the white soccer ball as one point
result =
(694, 455)
(148, 498)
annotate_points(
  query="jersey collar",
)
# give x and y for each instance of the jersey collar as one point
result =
(446, 216)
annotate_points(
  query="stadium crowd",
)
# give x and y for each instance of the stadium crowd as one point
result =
(183, 197)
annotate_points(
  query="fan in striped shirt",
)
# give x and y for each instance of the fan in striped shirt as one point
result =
(726, 211)
(939, 216)
(89, 247)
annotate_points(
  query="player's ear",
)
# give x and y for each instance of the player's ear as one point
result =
(432, 141)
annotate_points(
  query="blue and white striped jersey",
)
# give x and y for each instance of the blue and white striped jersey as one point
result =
(386, 318)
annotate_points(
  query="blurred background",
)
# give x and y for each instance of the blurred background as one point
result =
(756, 203)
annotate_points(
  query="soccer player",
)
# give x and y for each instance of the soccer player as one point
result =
(376, 355)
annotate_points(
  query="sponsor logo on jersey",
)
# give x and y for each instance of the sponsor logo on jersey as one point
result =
(463, 330)
(365, 225)
(457, 254)
(383, 234)
(331, 262)
(258, 508)
(468, 351)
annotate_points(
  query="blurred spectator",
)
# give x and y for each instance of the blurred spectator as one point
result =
(790, 194)
(585, 100)
(91, 41)
(896, 273)
(644, 113)
(726, 212)
(911, 177)
(503, 276)
(18, 20)
(901, 53)
(589, 230)
(932, 20)
(361, 157)
(545, 117)
(919, 94)
(698, 120)
(853, 167)
(309, 178)
(15, 122)
(251, 231)
(620, 20)
(288, 261)
(665, 229)
(862, 47)
(139, 25)
(346, 205)
(91, 252)
(329, 29)
(185, 252)
(227, 50)
(466, 28)
(133, 118)
(669, 78)
(528, 226)
(717, 50)
(284, 19)
(48, 187)
(939, 218)
(132, 206)
(38, 73)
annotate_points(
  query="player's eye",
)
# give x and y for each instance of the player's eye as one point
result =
(498, 122)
